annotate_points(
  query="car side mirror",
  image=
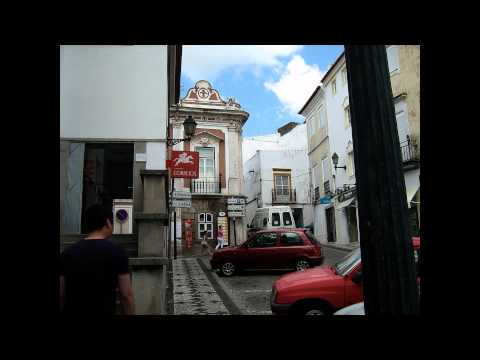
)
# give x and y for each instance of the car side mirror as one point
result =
(357, 277)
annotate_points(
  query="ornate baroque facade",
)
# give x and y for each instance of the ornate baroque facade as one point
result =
(218, 139)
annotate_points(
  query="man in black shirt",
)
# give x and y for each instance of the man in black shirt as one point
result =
(93, 269)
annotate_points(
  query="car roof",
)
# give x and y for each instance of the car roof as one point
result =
(282, 230)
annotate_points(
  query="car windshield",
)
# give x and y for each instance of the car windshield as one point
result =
(346, 263)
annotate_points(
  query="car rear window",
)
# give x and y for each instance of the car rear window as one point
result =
(275, 219)
(287, 220)
(312, 238)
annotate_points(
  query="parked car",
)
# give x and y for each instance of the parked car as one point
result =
(272, 217)
(322, 290)
(355, 309)
(270, 249)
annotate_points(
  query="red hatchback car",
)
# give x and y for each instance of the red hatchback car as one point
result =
(324, 289)
(270, 249)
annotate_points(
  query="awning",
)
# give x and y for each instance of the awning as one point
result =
(412, 184)
(344, 203)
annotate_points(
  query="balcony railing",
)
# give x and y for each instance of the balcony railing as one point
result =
(284, 196)
(409, 150)
(206, 185)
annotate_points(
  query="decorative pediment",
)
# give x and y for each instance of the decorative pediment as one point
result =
(203, 93)
(209, 134)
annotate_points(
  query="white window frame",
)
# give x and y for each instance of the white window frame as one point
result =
(202, 225)
(344, 76)
(200, 173)
(350, 164)
(393, 59)
(282, 186)
(324, 176)
(322, 117)
(347, 121)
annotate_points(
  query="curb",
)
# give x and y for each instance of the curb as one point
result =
(231, 306)
(339, 247)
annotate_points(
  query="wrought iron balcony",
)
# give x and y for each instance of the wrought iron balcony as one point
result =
(284, 196)
(206, 185)
(409, 151)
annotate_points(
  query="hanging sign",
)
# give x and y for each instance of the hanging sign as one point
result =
(184, 164)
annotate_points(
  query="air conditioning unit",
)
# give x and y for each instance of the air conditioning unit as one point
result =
(122, 216)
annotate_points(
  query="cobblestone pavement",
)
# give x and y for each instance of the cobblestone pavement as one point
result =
(193, 293)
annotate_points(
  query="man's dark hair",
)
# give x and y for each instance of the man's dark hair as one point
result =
(96, 217)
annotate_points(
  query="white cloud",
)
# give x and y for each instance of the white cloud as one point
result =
(296, 84)
(207, 61)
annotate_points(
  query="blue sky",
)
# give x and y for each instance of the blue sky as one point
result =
(270, 82)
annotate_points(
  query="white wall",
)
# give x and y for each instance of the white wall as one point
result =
(252, 185)
(113, 92)
(339, 136)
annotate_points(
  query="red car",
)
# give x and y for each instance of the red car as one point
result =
(270, 249)
(322, 290)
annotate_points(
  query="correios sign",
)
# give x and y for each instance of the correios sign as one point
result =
(184, 164)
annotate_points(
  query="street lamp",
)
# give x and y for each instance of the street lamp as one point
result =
(189, 126)
(335, 162)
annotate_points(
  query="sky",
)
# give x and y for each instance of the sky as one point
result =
(271, 82)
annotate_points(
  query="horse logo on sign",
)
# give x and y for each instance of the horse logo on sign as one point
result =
(184, 164)
(183, 158)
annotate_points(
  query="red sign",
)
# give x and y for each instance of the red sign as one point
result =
(184, 164)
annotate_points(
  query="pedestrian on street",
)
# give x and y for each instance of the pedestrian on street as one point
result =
(220, 240)
(92, 270)
(205, 245)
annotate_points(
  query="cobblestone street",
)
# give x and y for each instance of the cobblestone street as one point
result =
(193, 293)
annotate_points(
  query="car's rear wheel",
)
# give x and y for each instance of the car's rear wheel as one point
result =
(227, 268)
(302, 264)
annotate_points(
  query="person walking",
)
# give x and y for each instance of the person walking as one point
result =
(93, 269)
(220, 240)
(205, 245)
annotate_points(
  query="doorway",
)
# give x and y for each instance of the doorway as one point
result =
(107, 175)
(330, 215)
(298, 217)
(352, 223)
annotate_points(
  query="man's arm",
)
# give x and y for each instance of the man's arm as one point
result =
(126, 294)
(62, 292)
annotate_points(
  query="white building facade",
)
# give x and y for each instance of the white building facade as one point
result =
(113, 123)
(278, 173)
(114, 109)
(327, 114)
